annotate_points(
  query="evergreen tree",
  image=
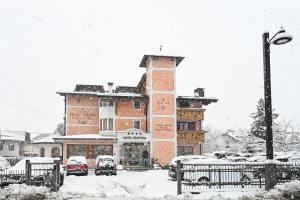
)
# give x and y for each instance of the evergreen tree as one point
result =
(258, 126)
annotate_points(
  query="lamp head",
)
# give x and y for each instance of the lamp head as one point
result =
(281, 38)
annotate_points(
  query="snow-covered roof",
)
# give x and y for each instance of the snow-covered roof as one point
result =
(232, 136)
(85, 137)
(106, 94)
(13, 135)
(160, 54)
(47, 139)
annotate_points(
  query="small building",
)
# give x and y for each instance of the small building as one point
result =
(224, 142)
(13, 143)
(45, 146)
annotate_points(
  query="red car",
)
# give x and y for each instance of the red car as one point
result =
(77, 165)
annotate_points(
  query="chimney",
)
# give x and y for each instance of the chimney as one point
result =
(199, 92)
(110, 87)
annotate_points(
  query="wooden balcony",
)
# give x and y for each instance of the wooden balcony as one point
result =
(192, 114)
(190, 136)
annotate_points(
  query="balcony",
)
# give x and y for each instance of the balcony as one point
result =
(190, 136)
(193, 114)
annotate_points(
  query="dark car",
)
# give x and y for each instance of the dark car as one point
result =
(105, 165)
(77, 165)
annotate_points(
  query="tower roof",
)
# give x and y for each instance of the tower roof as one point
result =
(145, 58)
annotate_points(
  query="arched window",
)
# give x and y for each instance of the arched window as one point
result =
(55, 152)
(42, 152)
(227, 144)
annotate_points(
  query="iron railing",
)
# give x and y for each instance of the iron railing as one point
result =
(37, 174)
(199, 177)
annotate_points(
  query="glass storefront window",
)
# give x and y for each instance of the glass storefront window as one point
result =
(103, 150)
(89, 151)
(76, 150)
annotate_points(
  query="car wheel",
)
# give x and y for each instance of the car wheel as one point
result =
(38, 181)
(245, 179)
(203, 181)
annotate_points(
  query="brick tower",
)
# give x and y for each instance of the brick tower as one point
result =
(161, 89)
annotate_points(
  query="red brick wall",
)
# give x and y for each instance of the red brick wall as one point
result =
(82, 115)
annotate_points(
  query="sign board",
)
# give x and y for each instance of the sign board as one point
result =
(133, 136)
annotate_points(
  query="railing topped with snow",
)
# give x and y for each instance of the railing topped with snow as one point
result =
(195, 177)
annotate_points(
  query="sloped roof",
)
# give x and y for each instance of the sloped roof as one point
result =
(127, 89)
(46, 139)
(13, 135)
(89, 88)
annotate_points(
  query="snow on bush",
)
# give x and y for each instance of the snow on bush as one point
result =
(23, 192)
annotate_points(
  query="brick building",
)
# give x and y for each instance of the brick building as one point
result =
(126, 121)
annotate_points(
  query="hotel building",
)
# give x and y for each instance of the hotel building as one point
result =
(125, 121)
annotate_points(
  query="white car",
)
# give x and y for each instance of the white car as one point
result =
(212, 171)
(172, 166)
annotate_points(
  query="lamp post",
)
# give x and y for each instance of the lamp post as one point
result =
(278, 39)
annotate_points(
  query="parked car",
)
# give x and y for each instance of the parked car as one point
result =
(105, 165)
(77, 165)
(4, 164)
(39, 173)
(212, 171)
(172, 166)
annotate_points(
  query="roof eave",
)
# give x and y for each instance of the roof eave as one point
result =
(145, 58)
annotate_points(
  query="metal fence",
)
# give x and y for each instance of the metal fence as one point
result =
(37, 174)
(198, 177)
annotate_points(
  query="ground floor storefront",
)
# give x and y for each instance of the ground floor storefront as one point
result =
(131, 148)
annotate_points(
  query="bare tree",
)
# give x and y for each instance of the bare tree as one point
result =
(60, 129)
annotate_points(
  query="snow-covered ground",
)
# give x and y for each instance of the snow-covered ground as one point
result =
(154, 184)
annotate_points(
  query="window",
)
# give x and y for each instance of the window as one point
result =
(89, 151)
(76, 150)
(185, 150)
(11, 147)
(186, 126)
(106, 103)
(137, 124)
(137, 105)
(104, 128)
(110, 124)
(103, 150)
(1, 146)
(226, 144)
(42, 152)
(100, 124)
(106, 124)
(55, 152)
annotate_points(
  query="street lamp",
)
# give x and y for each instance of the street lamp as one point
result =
(278, 39)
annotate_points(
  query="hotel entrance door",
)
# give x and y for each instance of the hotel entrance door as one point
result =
(131, 154)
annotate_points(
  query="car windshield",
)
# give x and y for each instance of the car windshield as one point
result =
(76, 161)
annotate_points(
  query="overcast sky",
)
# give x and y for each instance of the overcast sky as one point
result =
(49, 46)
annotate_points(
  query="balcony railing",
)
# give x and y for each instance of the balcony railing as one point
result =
(190, 136)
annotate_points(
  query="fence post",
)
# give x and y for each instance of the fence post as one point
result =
(57, 164)
(54, 178)
(179, 176)
(270, 176)
(27, 175)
